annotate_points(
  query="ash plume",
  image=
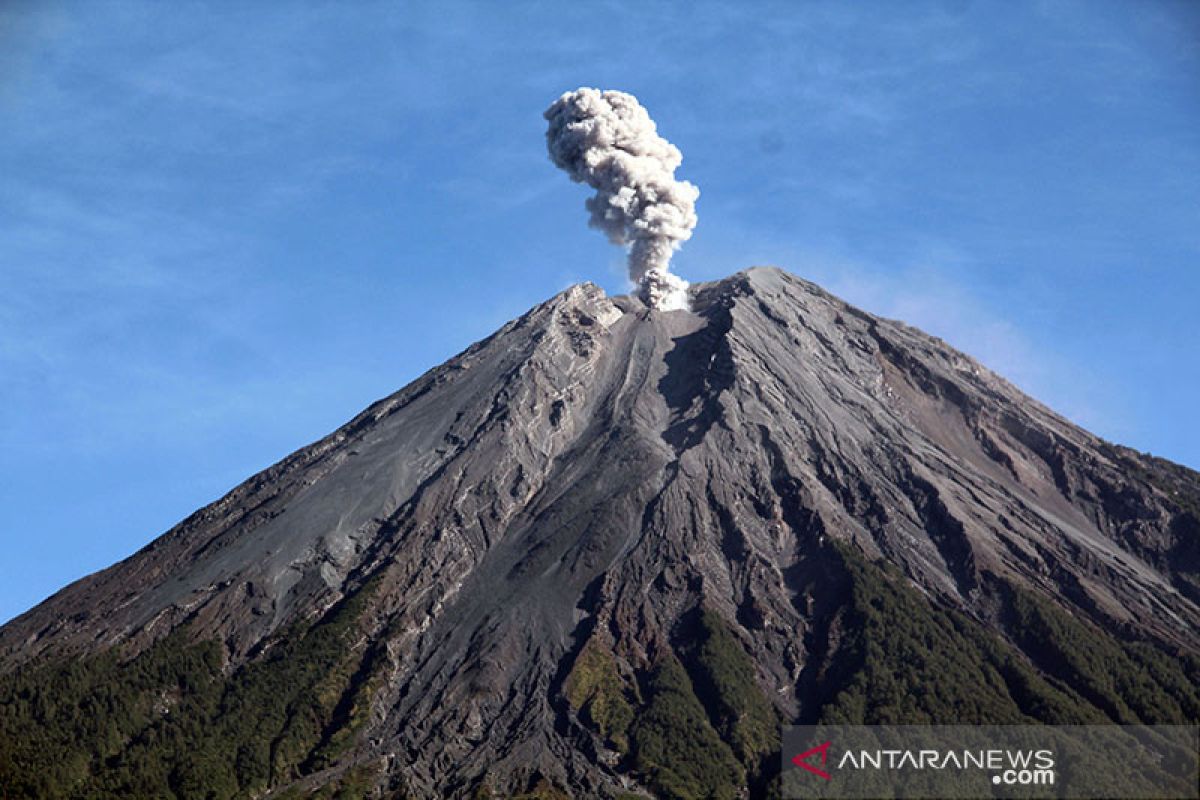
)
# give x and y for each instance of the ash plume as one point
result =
(607, 140)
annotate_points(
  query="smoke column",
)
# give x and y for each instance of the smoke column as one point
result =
(607, 140)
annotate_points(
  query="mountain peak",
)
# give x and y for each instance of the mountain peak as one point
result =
(568, 504)
(842, 401)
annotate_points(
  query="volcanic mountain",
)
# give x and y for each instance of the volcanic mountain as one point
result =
(609, 551)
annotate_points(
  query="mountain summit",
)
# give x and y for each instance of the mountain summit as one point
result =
(610, 550)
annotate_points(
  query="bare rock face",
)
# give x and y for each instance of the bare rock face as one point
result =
(596, 472)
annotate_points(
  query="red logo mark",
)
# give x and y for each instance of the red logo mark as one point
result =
(801, 760)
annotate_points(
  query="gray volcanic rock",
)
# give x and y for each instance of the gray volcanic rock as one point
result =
(597, 470)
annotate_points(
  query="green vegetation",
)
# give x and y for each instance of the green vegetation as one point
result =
(168, 723)
(906, 661)
(63, 723)
(676, 749)
(723, 676)
(695, 732)
(701, 727)
(1130, 682)
(350, 698)
(595, 689)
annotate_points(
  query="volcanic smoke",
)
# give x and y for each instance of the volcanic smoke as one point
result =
(607, 140)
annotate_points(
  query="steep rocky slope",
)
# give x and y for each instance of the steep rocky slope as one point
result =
(607, 544)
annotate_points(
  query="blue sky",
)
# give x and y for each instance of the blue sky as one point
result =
(227, 227)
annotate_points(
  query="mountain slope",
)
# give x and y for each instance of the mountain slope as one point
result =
(608, 548)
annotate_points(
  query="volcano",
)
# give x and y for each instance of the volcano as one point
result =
(608, 551)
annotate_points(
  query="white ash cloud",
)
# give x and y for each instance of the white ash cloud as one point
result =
(664, 291)
(607, 140)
